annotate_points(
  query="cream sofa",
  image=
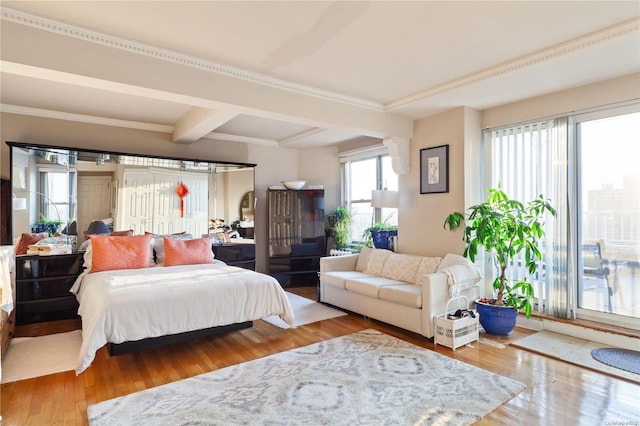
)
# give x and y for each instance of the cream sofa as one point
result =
(400, 289)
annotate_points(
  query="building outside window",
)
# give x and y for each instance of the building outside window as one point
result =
(586, 164)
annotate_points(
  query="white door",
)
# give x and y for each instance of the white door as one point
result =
(136, 202)
(94, 200)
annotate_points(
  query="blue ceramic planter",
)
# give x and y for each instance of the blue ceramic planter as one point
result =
(381, 238)
(497, 320)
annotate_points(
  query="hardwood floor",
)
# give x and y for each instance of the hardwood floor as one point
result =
(557, 393)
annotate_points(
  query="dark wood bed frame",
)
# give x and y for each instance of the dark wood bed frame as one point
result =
(152, 342)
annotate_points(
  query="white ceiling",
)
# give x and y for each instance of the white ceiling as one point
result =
(319, 72)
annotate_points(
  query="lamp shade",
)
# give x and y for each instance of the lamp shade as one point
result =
(19, 203)
(97, 227)
(71, 229)
(385, 199)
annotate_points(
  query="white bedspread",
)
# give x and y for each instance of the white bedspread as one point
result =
(134, 304)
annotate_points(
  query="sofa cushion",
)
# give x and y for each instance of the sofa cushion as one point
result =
(338, 278)
(369, 286)
(406, 295)
(401, 267)
(363, 259)
(377, 259)
(428, 265)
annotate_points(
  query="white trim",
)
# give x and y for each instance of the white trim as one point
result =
(527, 61)
(361, 154)
(138, 48)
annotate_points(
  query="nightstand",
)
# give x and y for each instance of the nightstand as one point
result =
(42, 287)
(240, 254)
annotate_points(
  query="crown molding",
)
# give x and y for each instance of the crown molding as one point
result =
(138, 48)
(562, 49)
(57, 115)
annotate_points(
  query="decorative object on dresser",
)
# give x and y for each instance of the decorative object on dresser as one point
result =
(42, 287)
(296, 235)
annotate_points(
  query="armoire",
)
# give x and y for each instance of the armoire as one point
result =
(296, 235)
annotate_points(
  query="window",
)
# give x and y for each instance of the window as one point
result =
(362, 174)
(609, 215)
(54, 199)
(587, 165)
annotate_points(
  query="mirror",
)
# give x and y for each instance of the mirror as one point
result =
(53, 187)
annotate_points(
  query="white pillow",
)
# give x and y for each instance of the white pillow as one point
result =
(377, 259)
(363, 259)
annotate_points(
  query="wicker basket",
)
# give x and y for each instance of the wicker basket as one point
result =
(454, 333)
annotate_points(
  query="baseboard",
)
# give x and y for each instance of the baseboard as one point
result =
(581, 332)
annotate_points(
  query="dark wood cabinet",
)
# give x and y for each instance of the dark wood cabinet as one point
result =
(42, 287)
(296, 235)
(240, 254)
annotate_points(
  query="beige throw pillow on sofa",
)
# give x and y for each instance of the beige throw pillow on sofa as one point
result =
(377, 259)
(401, 267)
(428, 265)
(363, 259)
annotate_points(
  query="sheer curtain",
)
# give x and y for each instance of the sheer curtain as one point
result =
(529, 160)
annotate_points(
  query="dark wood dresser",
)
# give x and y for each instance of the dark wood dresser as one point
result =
(242, 255)
(42, 287)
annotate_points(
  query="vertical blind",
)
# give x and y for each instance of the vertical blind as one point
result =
(529, 160)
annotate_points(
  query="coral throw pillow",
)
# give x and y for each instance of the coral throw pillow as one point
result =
(111, 253)
(187, 252)
(26, 240)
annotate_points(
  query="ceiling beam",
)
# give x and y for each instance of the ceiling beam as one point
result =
(198, 122)
(302, 135)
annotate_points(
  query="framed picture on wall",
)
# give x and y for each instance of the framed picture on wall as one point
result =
(434, 169)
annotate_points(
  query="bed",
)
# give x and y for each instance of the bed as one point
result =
(128, 305)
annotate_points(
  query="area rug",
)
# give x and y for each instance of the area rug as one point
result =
(305, 311)
(623, 359)
(364, 378)
(572, 350)
(28, 357)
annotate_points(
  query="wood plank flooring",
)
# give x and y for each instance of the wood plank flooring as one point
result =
(557, 393)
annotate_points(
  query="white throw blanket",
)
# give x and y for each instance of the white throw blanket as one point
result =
(461, 273)
(461, 277)
(134, 304)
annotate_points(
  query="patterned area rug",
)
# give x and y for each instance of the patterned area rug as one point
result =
(361, 379)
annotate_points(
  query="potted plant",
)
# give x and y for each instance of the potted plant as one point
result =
(377, 235)
(504, 228)
(339, 221)
(46, 225)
